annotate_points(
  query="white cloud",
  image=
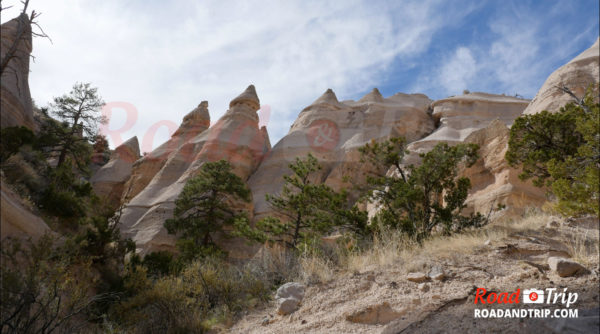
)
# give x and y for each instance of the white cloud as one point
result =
(457, 73)
(165, 57)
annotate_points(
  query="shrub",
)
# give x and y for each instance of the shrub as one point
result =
(421, 197)
(41, 292)
(205, 294)
(562, 151)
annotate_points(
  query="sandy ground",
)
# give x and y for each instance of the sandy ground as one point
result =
(516, 261)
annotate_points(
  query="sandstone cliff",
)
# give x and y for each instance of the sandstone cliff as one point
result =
(109, 180)
(576, 75)
(333, 131)
(16, 219)
(236, 137)
(15, 98)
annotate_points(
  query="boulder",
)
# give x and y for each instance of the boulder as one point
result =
(576, 75)
(291, 290)
(289, 296)
(417, 277)
(565, 267)
(436, 273)
(15, 98)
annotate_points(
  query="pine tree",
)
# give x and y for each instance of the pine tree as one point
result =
(80, 110)
(203, 208)
(306, 209)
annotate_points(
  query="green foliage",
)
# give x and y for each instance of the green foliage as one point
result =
(309, 210)
(203, 209)
(80, 110)
(41, 292)
(12, 139)
(64, 196)
(161, 263)
(206, 293)
(562, 151)
(419, 198)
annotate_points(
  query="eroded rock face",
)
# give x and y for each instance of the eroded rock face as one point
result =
(493, 182)
(15, 98)
(236, 137)
(333, 131)
(18, 221)
(144, 169)
(460, 116)
(576, 75)
(109, 181)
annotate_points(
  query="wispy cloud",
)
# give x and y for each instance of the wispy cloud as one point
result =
(165, 57)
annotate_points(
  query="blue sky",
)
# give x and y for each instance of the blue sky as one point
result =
(163, 57)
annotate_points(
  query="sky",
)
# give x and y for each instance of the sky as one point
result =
(155, 61)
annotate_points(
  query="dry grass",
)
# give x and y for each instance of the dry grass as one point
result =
(585, 248)
(391, 247)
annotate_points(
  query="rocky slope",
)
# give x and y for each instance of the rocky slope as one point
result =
(15, 98)
(158, 178)
(431, 289)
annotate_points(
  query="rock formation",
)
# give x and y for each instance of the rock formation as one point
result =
(333, 131)
(575, 75)
(194, 123)
(493, 182)
(459, 116)
(15, 99)
(109, 181)
(16, 219)
(236, 137)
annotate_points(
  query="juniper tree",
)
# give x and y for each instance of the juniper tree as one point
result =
(562, 151)
(416, 199)
(203, 208)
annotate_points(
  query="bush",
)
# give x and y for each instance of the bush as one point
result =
(12, 139)
(420, 198)
(41, 291)
(561, 150)
(205, 294)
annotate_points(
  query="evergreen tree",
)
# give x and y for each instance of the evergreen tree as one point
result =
(80, 112)
(306, 209)
(419, 198)
(562, 151)
(203, 208)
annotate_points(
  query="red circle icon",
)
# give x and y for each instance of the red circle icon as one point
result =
(323, 135)
(533, 296)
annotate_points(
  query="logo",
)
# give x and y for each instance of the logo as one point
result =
(533, 296)
(323, 135)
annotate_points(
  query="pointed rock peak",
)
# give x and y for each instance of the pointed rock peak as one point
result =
(327, 97)
(248, 97)
(199, 119)
(373, 96)
(130, 149)
(200, 113)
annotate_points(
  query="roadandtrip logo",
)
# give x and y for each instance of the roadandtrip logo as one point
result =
(548, 296)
